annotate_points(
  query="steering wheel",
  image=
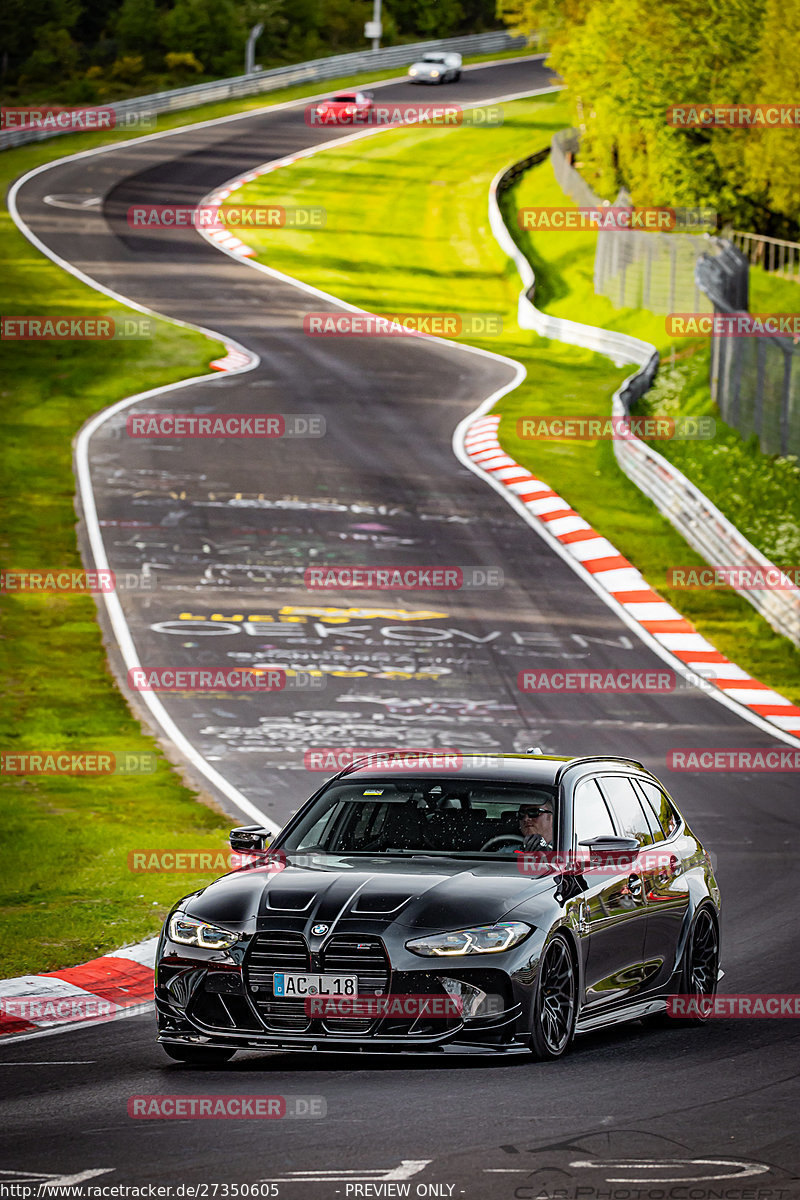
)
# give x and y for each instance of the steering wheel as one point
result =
(503, 839)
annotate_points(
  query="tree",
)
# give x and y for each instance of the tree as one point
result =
(771, 158)
(136, 29)
(214, 33)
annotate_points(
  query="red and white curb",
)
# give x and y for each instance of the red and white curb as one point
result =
(234, 360)
(618, 578)
(104, 989)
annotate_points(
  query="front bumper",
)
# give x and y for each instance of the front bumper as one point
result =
(224, 1000)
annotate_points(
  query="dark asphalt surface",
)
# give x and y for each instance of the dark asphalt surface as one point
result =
(227, 530)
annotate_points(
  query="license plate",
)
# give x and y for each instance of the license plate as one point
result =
(284, 984)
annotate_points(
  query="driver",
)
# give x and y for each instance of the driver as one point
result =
(536, 826)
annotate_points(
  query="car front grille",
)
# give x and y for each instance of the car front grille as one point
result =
(365, 957)
(277, 951)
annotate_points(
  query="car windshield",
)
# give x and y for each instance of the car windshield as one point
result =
(435, 816)
(434, 58)
(345, 98)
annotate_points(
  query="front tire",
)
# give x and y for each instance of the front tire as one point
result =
(200, 1056)
(555, 1002)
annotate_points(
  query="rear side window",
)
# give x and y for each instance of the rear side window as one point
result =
(667, 816)
(592, 818)
(624, 802)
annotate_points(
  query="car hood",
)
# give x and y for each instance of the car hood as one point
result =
(428, 66)
(416, 893)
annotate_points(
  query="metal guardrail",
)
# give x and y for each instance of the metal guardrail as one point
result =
(773, 254)
(699, 521)
(280, 77)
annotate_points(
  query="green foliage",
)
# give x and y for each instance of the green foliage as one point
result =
(182, 64)
(626, 62)
(771, 154)
(215, 34)
(136, 29)
(128, 67)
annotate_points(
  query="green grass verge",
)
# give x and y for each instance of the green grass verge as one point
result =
(66, 893)
(407, 230)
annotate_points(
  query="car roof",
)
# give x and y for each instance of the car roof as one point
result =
(500, 768)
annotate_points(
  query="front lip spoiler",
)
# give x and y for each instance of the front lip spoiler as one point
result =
(327, 1045)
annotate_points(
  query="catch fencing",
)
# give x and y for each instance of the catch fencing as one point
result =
(317, 70)
(755, 381)
(635, 269)
(773, 254)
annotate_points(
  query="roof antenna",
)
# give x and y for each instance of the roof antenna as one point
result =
(534, 750)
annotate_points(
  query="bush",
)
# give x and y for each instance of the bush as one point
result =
(127, 67)
(182, 64)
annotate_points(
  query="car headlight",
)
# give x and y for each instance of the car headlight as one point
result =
(413, 71)
(434, 74)
(188, 931)
(481, 939)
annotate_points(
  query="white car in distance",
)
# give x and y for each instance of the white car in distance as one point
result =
(436, 67)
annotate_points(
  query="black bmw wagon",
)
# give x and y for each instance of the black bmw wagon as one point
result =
(493, 907)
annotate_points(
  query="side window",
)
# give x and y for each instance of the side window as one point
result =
(656, 832)
(667, 817)
(624, 803)
(592, 818)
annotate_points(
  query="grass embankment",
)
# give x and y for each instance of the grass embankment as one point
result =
(424, 193)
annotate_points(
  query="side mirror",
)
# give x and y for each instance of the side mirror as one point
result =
(607, 844)
(248, 838)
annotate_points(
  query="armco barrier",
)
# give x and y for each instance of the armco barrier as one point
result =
(691, 512)
(281, 77)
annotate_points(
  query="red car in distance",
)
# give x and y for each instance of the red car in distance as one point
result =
(345, 108)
